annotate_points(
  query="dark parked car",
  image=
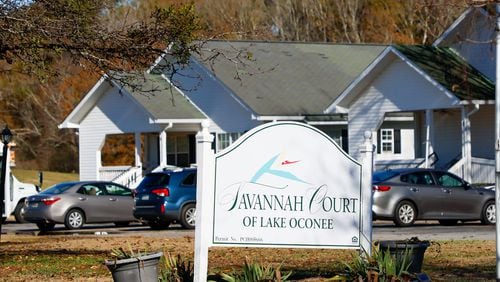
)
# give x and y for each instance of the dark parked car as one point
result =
(77, 203)
(167, 196)
(405, 195)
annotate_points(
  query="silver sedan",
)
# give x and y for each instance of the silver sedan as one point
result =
(77, 203)
(405, 195)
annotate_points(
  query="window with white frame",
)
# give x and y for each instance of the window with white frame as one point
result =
(178, 150)
(387, 140)
(226, 139)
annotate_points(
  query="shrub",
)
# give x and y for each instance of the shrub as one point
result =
(381, 266)
(254, 272)
(176, 269)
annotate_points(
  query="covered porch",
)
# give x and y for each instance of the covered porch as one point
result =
(426, 107)
(159, 123)
(174, 146)
(459, 140)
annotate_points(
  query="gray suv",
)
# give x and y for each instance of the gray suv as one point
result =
(166, 197)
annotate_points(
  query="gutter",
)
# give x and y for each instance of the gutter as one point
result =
(277, 118)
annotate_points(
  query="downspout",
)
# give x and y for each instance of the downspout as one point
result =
(429, 135)
(137, 150)
(169, 125)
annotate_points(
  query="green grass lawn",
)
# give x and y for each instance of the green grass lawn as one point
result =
(80, 258)
(38, 258)
(49, 177)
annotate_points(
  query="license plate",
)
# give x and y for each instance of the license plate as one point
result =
(34, 205)
(145, 197)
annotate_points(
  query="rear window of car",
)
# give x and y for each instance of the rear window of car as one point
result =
(380, 176)
(57, 189)
(155, 179)
(190, 180)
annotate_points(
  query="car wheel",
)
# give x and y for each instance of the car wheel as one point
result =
(74, 219)
(405, 214)
(122, 223)
(18, 212)
(159, 224)
(188, 216)
(489, 215)
(448, 222)
(45, 226)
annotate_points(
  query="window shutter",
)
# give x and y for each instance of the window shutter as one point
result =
(379, 143)
(214, 142)
(345, 140)
(192, 148)
(397, 141)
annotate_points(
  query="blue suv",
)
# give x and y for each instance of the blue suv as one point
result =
(166, 197)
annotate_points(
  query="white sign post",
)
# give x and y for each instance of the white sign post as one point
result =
(366, 194)
(204, 192)
(283, 184)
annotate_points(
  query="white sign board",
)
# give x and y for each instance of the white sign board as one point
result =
(286, 185)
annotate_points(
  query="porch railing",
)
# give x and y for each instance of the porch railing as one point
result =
(393, 164)
(108, 173)
(129, 176)
(483, 170)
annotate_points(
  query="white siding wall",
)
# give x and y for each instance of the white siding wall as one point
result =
(447, 135)
(151, 157)
(481, 56)
(113, 114)
(407, 141)
(216, 101)
(398, 88)
(483, 132)
(420, 134)
(478, 27)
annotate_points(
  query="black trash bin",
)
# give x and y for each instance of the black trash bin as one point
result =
(416, 250)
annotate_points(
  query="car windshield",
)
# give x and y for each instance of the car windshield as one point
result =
(380, 176)
(57, 189)
(155, 179)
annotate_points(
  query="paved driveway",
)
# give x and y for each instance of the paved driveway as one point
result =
(382, 230)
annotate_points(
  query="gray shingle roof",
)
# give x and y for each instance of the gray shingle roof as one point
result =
(163, 101)
(451, 71)
(288, 79)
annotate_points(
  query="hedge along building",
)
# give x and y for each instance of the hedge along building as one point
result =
(420, 102)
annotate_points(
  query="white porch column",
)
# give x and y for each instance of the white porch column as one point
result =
(467, 141)
(138, 149)
(429, 135)
(163, 148)
(98, 165)
(466, 146)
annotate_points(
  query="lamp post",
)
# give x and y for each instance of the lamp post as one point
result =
(6, 138)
